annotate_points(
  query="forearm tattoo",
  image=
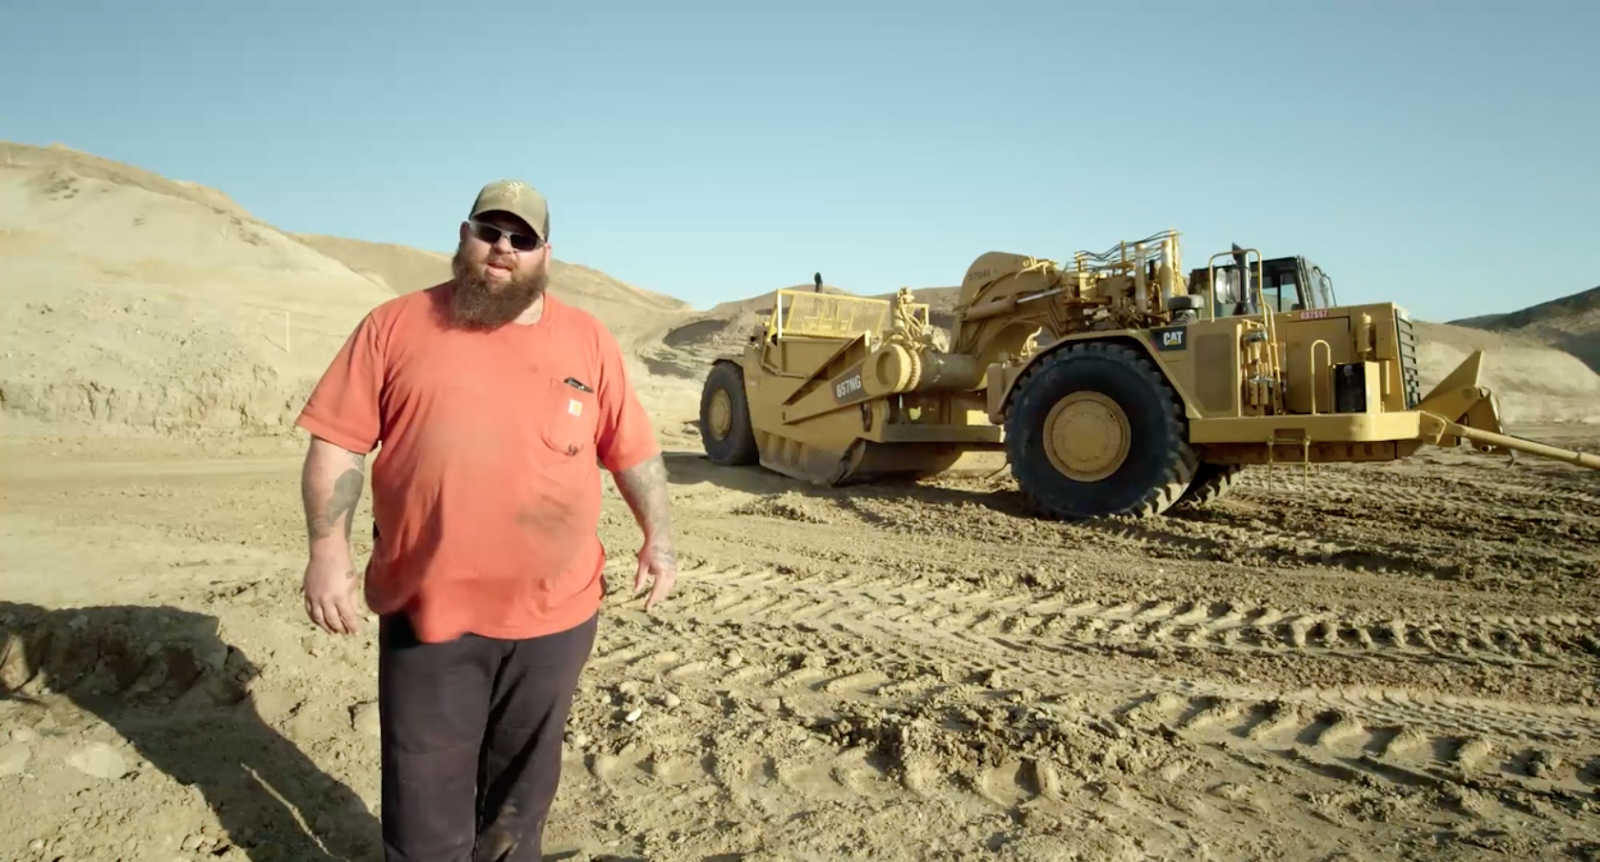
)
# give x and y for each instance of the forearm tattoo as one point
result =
(645, 489)
(323, 516)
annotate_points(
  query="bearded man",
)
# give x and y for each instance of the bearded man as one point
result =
(493, 401)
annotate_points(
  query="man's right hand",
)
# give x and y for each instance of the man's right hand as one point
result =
(330, 589)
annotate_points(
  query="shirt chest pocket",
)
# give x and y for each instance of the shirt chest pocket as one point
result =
(568, 417)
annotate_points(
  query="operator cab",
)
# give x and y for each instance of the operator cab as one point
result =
(1290, 284)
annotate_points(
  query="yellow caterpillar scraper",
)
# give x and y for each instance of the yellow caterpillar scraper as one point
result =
(1113, 386)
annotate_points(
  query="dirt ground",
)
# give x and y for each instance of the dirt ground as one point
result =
(1366, 663)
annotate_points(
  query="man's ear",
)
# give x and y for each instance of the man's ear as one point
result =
(464, 230)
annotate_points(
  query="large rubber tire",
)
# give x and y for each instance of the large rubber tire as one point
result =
(1211, 483)
(737, 447)
(1159, 463)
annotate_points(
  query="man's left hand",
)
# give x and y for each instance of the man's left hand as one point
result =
(659, 561)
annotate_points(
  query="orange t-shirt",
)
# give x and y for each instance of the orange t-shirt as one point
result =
(486, 489)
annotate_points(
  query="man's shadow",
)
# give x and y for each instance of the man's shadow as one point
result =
(165, 680)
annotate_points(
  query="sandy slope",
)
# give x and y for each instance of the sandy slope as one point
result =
(1534, 381)
(1577, 312)
(399, 268)
(1390, 662)
(133, 302)
(137, 304)
(1571, 323)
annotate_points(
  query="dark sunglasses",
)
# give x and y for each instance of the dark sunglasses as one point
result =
(491, 235)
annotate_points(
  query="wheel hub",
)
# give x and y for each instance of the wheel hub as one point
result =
(720, 415)
(1086, 436)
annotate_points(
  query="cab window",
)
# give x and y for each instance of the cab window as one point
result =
(1281, 293)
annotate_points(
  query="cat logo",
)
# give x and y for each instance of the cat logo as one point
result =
(1171, 338)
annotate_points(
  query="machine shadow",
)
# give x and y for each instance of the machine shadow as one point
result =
(1174, 530)
(167, 683)
(997, 493)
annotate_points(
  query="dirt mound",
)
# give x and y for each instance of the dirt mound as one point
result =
(186, 314)
(137, 303)
(788, 506)
(154, 718)
(689, 345)
(400, 268)
(135, 655)
(1534, 382)
(68, 161)
(1571, 323)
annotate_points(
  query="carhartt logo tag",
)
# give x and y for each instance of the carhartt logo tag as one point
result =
(575, 407)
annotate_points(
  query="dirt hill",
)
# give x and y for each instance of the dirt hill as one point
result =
(138, 303)
(1542, 360)
(1534, 382)
(399, 268)
(1571, 323)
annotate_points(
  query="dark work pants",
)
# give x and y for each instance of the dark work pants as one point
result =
(471, 740)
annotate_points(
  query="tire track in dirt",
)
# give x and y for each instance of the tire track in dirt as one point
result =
(805, 691)
(807, 709)
(1489, 494)
(1408, 519)
(1347, 521)
(839, 702)
(866, 664)
(1248, 627)
(1450, 526)
(954, 614)
(1220, 625)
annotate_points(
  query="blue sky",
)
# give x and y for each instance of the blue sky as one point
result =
(1440, 154)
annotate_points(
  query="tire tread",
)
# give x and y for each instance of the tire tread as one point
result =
(740, 448)
(1180, 468)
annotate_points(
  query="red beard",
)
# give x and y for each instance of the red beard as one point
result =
(476, 303)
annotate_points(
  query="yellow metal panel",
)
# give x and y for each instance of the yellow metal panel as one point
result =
(1336, 427)
(1217, 364)
(823, 315)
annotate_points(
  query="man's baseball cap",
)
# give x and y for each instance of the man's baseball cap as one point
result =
(517, 198)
